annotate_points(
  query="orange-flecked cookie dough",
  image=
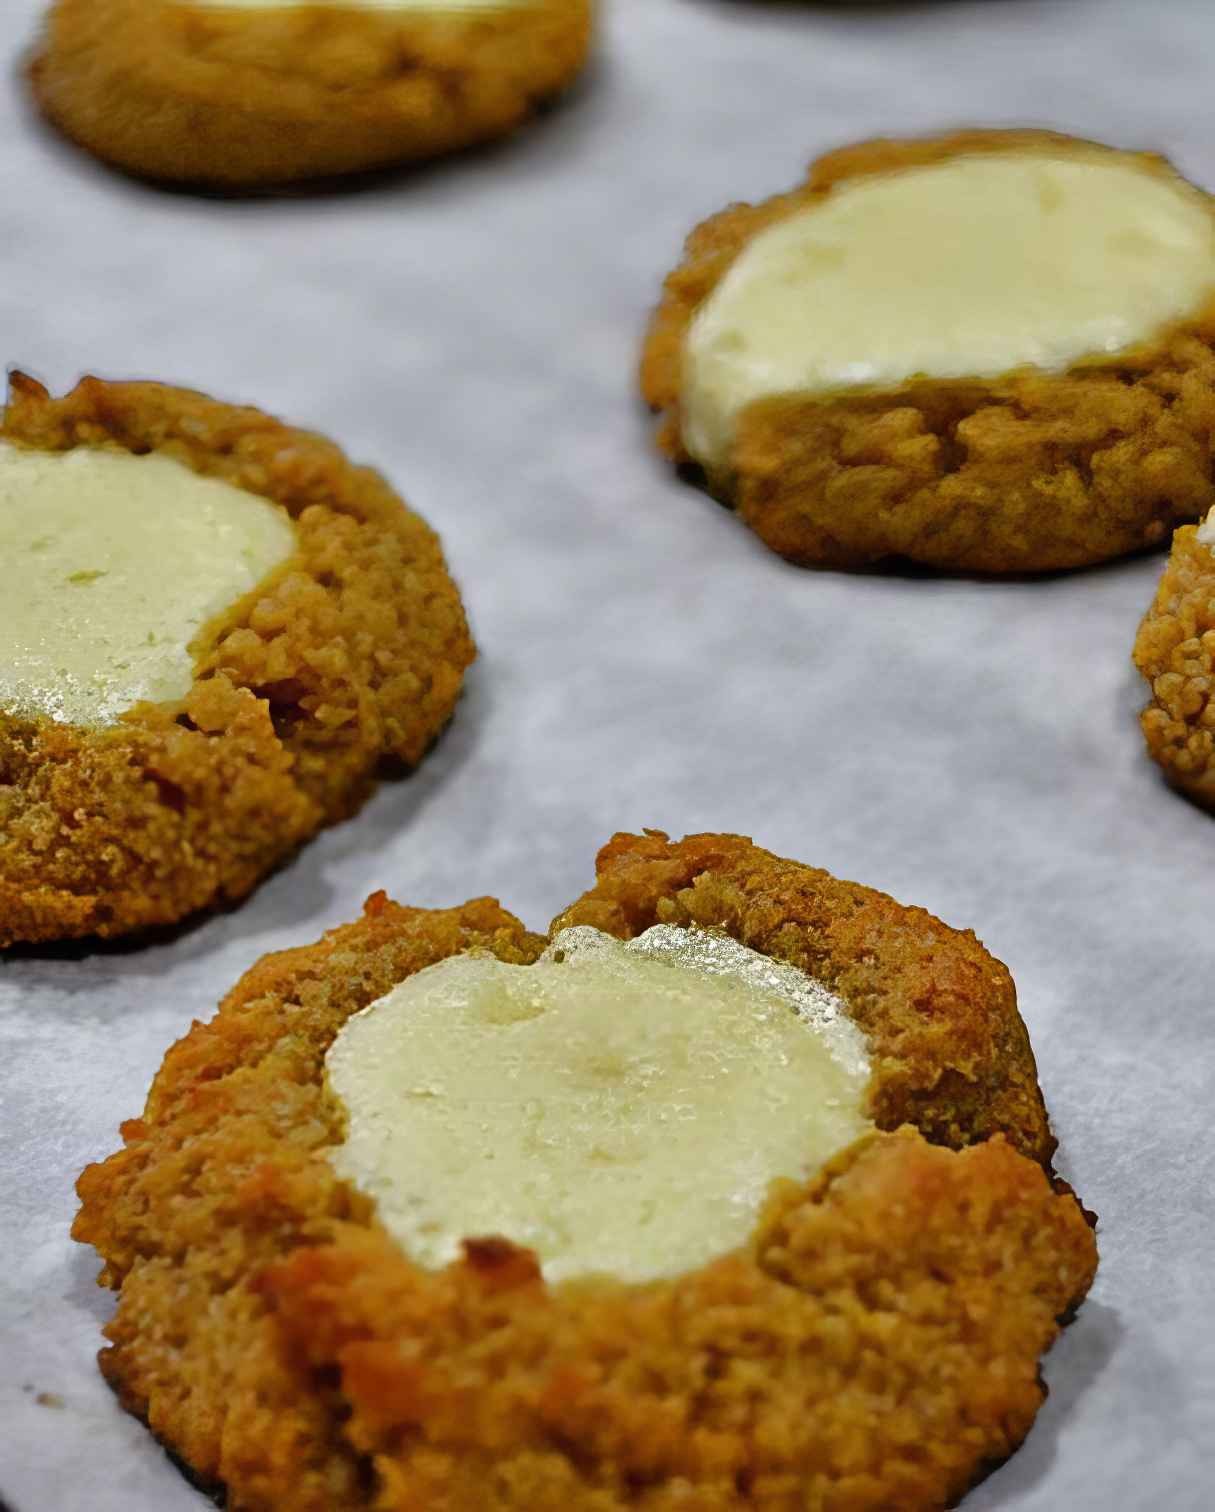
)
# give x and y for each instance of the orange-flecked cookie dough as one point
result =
(120, 810)
(1024, 379)
(872, 1342)
(237, 95)
(1175, 651)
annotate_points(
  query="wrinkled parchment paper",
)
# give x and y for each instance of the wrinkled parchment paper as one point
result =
(472, 328)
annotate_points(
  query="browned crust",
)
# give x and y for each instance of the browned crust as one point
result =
(352, 653)
(278, 1340)
(1175, 651)
(1026, 473)
(927, 1281)
(220, 1178)
(237, 99)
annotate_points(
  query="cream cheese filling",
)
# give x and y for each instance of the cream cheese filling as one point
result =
(1206, 530)
(110, 565)
(621, 1109)
(971, 267)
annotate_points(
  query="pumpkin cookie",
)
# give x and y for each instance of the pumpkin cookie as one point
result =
(215, 629)
(238, 94)
(732, 1192)
(1175, 651)
(992, 352)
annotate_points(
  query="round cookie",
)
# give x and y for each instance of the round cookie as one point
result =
(989, 352)
(1175, 651)
(237, 94)
(217, 628)
(872, 1340)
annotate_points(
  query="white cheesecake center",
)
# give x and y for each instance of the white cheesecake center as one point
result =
(619, 1109)
(967, 268)
(1206, 530)
(110, 565)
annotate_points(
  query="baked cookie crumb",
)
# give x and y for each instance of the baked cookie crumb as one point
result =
(1023, 470)
(349, 655)
(239, 97)
(1175, 652)
(277, 1337)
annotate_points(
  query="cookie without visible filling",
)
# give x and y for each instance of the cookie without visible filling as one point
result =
(1175, 651)
(238, 95)
(989, 352)
(439, 1212)
(214, 630)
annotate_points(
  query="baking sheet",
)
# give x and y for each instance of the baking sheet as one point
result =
(472, 328)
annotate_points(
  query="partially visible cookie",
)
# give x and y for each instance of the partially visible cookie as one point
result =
(991, 352)
(238, 94)
(1175, 651)
(214, 629)
(732, 1193)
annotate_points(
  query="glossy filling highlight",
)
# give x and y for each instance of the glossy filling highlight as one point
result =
(619, 1108)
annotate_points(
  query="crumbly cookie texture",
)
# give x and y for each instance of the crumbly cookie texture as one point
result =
(236, 98)
(930, 1280)
(1175, 651)
(276, 1338)
(352, 653)
(1030, 471)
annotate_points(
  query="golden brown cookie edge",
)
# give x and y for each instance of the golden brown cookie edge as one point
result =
(240, 101)
(1028, 473)
(210, 1113)
(180, 807)
(1175, 652)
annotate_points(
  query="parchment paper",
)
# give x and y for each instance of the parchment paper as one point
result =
(472, 329)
